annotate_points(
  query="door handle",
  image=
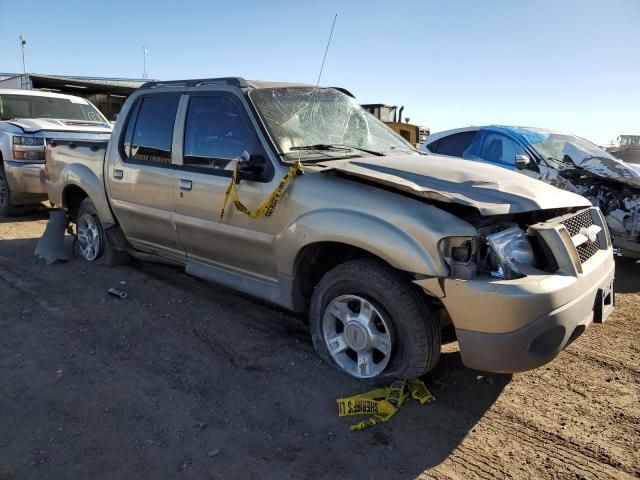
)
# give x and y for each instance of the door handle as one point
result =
(118, 174)
(185, 185)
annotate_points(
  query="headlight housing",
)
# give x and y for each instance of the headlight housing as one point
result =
(28, 148)
(461, 254)
(510, 248)
(28, 141)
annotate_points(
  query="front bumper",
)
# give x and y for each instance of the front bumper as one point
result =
(26, 181)
(509, 326)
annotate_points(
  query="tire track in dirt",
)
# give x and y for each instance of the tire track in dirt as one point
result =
(566, 394)
(434, 475)
(594, 355)
(581, 457)
(479, 461)
(476, 470)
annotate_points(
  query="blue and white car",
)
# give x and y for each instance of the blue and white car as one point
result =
(566, 161)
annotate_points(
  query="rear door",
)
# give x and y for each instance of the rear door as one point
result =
(141, 178)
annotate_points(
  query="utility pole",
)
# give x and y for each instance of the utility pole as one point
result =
(145, 52)
(23, 45)
(24, 80)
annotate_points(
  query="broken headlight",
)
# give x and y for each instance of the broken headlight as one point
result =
(461, 254)
(509, 249)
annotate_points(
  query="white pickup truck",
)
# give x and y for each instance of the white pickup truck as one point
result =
(27, 119)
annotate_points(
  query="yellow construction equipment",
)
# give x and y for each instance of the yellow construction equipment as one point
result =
(392, 117)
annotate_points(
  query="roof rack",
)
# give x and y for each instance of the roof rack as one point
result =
(234, 81)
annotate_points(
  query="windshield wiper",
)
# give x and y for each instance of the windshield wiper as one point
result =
(336, 147)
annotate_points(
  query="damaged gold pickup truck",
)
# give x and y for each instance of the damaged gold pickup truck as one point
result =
(382, 245)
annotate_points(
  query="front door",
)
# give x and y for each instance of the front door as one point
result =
(217, 130)
(141, 179)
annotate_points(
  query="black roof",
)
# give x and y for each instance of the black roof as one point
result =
(234, 81)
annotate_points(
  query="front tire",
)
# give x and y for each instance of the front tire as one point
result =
(92, 244)
(370, 322)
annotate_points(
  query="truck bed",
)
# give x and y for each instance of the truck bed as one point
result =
(65, 158)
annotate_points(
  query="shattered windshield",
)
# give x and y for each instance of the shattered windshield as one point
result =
(314, 123)
(553, 147)
(32, 106)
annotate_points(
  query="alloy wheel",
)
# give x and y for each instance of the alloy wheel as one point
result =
(357, 336)
(89, 237)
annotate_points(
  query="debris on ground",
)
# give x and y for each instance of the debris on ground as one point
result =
(117, 292)
(382, 403)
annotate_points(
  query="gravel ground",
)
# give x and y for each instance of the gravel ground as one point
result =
(188, 380)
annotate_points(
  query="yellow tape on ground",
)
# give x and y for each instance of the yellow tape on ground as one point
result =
(269, 205)
(359, 406)
(419, 391)
(382, 403)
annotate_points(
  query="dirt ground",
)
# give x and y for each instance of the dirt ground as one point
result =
(184, 379)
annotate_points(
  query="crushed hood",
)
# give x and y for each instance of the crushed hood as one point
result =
(490, 189)
(33, 125)
(603, 167)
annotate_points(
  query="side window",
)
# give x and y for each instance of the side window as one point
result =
(216, 132)
(131, 123)
(455, 145)
(500, 149)
(149, 132)
(433, 146)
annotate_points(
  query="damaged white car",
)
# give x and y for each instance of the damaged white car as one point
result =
(565, 161)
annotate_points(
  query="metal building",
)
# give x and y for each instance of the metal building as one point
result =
(108, 94)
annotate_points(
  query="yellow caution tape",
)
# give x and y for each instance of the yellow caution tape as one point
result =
(269, 205)
(419, 391)
(382, 403)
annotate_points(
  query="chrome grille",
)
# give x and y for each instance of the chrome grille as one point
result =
(587, 250)
(574, 225)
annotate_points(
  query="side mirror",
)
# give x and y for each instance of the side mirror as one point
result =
(522, 161)
(252, 167)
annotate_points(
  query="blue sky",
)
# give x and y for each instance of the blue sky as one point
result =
(572, 65)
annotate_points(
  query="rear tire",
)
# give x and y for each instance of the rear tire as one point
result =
(397, 313)
(7, 209)
(92, 245)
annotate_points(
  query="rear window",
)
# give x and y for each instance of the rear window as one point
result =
(30, 106)
(149, 131)
(453, 145)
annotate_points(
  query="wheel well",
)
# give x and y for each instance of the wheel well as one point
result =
(72, 197)
(316, 259)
